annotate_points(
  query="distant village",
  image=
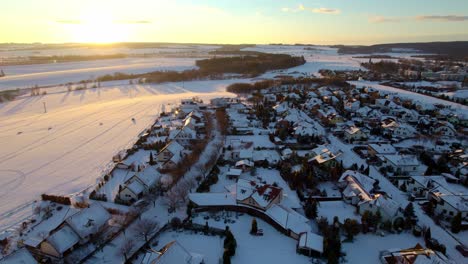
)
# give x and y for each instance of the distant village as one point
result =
(438, 78)
(319, 164)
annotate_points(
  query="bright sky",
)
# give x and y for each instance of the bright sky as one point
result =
(234, 21)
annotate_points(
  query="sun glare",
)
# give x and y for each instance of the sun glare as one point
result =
(97, 27)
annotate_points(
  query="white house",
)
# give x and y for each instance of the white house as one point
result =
(354, 133)
(173, 252)
(404, 164)
(139, 184)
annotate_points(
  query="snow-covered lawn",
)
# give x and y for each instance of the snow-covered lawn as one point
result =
(366, 248)
(65, 150)
(212, 247)
(272, 247)
(337, 208)
(259, 141)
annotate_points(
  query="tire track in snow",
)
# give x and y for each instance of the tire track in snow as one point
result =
(38, 143)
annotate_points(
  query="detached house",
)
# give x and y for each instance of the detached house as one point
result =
(357, 190)
(67, 229)
(404, 164)
(139, 184)
(322, 155)
(171, 253)
(171, 155)
(356, 187)
(443, 129)
(258, 195)
(353, 133)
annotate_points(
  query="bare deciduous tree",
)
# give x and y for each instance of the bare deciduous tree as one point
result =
(182, 190)
(172, 199)
(126, 247)
(145, 228)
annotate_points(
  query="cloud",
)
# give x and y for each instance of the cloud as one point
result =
(446, 18)
(323, 10)
(69, 21)
(382, 19)
(133, 22)
(301, 7)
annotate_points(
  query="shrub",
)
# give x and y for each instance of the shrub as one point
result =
(56, 199)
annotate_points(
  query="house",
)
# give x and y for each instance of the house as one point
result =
(419, 186)
(233, 173)
(404, 131)
(353, 133)
(322, 155)
(385, 104)
(89, 221)
(171, 253)
(60, 242)
(46, 228)
(173, 149)
(310, 244)
(65, 230)
(380, 149)
(448, 200)
(139, 184)
(258, 195)
(404, 164)
(21, 256)
(445, 129)
(356, 187)
(244, 165)
(352, 105)
(184, 136)
(388, 208)
(416, 255)
(309, 129)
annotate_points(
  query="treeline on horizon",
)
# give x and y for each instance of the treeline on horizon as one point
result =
(248, 65)
(58, 59)
(247, 88)
(453, 50)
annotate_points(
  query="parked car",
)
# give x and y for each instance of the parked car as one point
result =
(462, 249)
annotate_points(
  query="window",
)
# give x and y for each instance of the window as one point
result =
(444, 211)
(450, 213)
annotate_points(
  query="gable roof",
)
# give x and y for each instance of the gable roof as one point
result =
(63, 239)
(261, 193)
(21, 256)
(89, 220)
(174, 252)
(40, 232)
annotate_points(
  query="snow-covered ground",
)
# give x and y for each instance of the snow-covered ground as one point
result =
(35, 50)
(366, 248)
(319, 57)
(65, 150)
(272, 247)
(410, 95)
(26, 76)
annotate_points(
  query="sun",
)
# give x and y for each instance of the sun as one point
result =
(97, 27)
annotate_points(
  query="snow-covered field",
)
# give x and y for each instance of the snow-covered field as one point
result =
(35, 50)
(65, 150)
(26, 76)
(411, 95)
(319, 57)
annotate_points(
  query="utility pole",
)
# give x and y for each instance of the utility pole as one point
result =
(45, 108)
